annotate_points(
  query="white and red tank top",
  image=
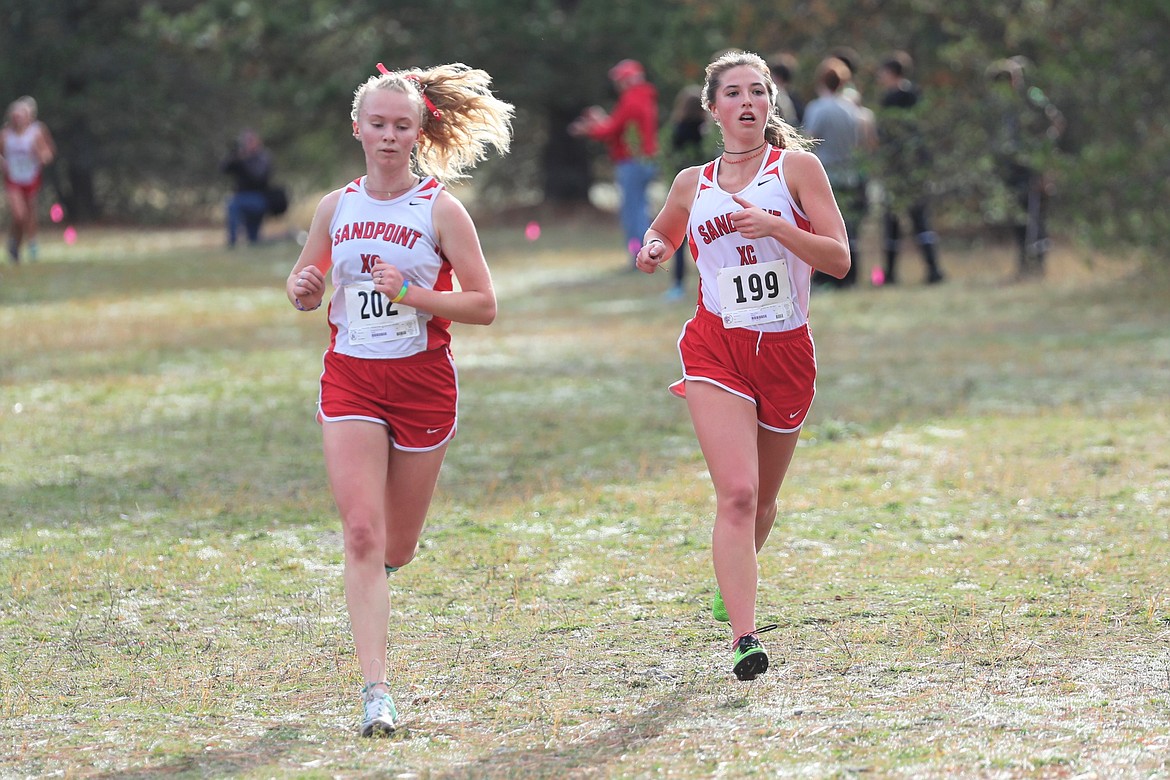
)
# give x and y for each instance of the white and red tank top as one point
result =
(401, 232)
(716, 244)
(20, 155)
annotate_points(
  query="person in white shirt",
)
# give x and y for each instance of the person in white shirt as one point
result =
(25, 149)
(396, 240)
(760, 219)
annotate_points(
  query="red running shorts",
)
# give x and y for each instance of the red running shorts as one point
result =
(777, 371)
(415, 397)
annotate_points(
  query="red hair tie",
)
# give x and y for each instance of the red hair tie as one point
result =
(436, 113)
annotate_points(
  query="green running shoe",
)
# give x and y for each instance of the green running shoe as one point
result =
(379, 715)
(718, 609)
(749, 658)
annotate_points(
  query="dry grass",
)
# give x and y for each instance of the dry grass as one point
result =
(969, 572)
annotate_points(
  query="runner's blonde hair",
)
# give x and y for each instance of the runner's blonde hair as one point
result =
(470, 119)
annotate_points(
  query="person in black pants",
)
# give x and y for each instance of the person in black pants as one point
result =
(1027, 128)
(905, 165)
(688, 125)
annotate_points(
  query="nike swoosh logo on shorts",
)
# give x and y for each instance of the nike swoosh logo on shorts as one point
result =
(433, 430)
(793, 415)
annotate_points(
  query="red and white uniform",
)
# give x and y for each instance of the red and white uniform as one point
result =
(749, 335)
(402, 233)
(22, 163)
(715, 244)
(389, 363)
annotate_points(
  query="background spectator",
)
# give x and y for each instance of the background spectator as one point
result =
(250, 164)
(833, 119)
(1027, 126)
(905, 167)
(630, 134)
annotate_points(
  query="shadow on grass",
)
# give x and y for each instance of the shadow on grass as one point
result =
(582, 757)
(265, 750)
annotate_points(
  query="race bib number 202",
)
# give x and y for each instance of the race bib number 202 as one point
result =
(373, 318)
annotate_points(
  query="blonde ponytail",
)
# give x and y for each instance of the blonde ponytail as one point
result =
(461, 120)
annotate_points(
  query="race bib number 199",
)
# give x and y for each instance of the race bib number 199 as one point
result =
(755, 294)
(373, 318)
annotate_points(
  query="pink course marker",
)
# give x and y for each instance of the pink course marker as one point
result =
(878, 277)
(532, 231)
(70, 235)
(56, 213)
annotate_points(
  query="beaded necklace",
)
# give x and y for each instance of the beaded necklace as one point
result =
(757, 152)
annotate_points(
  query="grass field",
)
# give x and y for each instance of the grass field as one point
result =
(969, 570)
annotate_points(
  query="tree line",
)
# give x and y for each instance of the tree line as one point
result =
(143, 98)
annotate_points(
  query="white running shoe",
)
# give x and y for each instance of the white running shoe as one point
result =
(380, 716)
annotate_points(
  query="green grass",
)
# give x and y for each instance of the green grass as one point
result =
(968, 570)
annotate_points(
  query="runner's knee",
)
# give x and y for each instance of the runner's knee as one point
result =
(361, 538)
(737, 502)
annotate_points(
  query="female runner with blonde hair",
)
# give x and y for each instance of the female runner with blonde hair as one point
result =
(395, 240)
(26, 147)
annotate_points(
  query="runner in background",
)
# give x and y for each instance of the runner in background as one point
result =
(25, 149)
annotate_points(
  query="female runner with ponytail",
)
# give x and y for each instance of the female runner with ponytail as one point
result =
(395, 240)
(759, 220)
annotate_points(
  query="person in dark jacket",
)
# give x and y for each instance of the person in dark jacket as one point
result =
(1027, 127)
(688, 129)
(251, 166)
(905, 163)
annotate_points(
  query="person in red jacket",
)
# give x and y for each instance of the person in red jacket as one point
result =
(630, 134)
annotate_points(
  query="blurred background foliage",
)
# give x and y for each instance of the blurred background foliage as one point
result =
(144, 98)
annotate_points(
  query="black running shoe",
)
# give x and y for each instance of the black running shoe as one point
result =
(749, 658)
